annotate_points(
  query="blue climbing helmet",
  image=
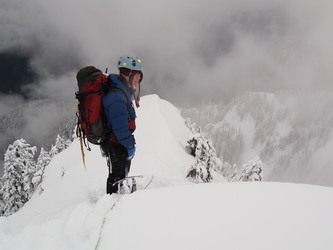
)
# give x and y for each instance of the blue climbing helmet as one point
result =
(127, 65)
(129, 62)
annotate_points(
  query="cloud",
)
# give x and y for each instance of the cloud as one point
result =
(9, 102)
(228, 47)
(42, 119)
(191, 50)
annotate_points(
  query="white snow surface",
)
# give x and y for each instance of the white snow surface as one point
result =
(75, 213)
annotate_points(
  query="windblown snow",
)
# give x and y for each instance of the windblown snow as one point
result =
(74, 212)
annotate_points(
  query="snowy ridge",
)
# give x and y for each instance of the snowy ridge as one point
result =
(74, 213)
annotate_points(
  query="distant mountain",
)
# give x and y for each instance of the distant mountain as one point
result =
(291, 134)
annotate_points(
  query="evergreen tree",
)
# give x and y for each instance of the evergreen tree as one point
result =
(205, 157)
(207, 160)
(43, 160)
(60, 145)
(19, 168)
(252, 171)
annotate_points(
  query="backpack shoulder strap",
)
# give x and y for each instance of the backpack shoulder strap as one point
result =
(111, 88)
(118, 90)
(121, 91)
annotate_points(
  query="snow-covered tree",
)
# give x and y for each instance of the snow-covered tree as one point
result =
(252, 171)
(206, 159)
(60, 145)
(19, 168)
(205, 156)
(43, 160)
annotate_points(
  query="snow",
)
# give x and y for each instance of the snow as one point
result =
(74, 212)
(223, 216)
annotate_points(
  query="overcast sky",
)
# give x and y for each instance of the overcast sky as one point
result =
(192, 50)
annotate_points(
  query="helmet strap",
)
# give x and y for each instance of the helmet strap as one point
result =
(127, 78)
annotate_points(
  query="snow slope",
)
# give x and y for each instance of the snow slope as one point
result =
(74, 213)
(223, 216)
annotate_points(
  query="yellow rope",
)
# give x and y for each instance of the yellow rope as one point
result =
(82, 153)
(81, 140)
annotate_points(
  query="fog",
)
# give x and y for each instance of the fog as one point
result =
(203, 49)
(192, 51)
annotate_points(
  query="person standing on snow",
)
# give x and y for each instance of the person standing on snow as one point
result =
(120, 117)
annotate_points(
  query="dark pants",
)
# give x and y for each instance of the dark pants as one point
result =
(117, 163)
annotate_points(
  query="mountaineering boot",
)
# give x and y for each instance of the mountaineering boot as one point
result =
(110, 188)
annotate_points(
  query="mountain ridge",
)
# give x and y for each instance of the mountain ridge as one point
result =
(74, 212)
